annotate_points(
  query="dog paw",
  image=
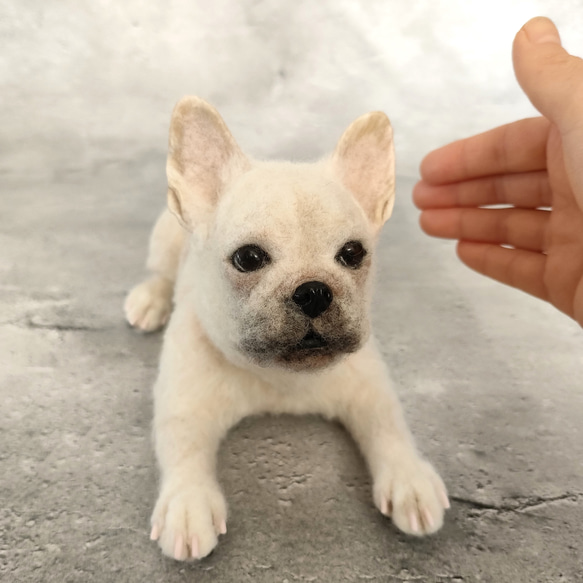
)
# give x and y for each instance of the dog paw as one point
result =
(187, 521)
(413, 495)
(148, 306)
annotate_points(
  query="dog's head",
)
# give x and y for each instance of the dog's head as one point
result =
(280, 259)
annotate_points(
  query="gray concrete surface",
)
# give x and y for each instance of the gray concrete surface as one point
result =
(490, 379)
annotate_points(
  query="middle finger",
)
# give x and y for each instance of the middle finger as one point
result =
(524, 190)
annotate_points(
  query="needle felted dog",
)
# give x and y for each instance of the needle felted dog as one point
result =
(268, 265)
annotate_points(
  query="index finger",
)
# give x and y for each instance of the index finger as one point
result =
(515, 147)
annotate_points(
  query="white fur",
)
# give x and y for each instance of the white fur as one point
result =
(301, 214)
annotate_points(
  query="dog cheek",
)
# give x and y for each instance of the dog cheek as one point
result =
(352, 301)
(363, 296)
(348, 327)
(242, 284)
(361, 277)
(268, 326)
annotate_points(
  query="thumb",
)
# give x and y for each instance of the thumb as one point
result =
(551, 77)
(553, 81)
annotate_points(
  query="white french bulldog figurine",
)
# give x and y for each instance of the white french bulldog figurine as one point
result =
(268, 267)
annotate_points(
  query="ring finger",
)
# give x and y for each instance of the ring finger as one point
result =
(519, 228)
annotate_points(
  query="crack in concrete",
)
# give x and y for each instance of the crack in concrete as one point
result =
(65, 327)
(437, 578)
(519, 504)
(56, 326)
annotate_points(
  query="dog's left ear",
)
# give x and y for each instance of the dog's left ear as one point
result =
(364, 160)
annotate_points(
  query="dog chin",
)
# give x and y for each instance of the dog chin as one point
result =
(301, 356)
(307, 360)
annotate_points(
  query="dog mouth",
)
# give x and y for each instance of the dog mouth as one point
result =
(311, 349)
(311, 341)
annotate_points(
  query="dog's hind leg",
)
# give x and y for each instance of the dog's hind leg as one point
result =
(148, 305)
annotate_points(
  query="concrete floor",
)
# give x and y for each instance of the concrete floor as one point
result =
(490, 379)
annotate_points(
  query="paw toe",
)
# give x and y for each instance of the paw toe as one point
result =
(414, 497)
(187, 523)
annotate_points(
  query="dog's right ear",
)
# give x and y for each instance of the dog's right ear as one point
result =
(203, 158)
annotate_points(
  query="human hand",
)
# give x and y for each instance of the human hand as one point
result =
(534, 167)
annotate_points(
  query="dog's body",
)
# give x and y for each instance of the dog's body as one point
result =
(268, 265)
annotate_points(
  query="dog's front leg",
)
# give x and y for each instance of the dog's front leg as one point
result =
(194, 408)
(148, 305)
(405, 486)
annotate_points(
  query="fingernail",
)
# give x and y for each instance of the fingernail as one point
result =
(541, 30)
(223, 528)
(154, 534)
(178, 546)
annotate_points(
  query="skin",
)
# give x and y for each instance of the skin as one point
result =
(534, 167)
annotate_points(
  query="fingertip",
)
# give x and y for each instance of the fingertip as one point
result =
(435, 223)
(486, 258)
(469, 252)
(417, 194)
(430, 222)
(423, 222)
(518, 44)
(428, 196)
(429, 166)
(475, 256)
(442, 223)
(537, 31)
(540, 30)
(444, 165)
(551, 78)
(518, 268)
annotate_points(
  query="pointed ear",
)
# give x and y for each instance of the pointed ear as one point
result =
(364, 160)
(203, 158)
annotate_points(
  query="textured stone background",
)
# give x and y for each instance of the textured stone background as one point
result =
(490, 378)
(288, 75)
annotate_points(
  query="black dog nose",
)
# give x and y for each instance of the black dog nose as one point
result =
(313, 297)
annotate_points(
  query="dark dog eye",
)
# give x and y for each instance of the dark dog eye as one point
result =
(351, 255)
(249, 258)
